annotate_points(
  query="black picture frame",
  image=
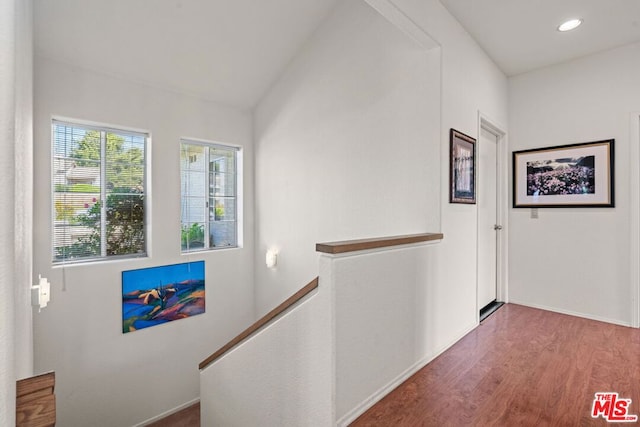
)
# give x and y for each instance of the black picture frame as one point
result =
(462, 168)
(565, 176)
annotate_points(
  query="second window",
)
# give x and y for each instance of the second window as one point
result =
(208, 174)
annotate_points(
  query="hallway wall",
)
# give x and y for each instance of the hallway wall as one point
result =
(346, 145)
(303, 128)
(577, 260)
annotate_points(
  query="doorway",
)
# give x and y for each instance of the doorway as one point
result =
(491, 201)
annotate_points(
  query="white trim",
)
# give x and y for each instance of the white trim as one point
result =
(103, 192)
(167, 413)
(374, 398)
(572, 313)
(102, 129)
(502, 256)
(634, 213)
(238, 152)
(352, 415)
(99, 126)
(399, 19)
(210, 143)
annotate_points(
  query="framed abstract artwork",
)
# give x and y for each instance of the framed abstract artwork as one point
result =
(156, 295)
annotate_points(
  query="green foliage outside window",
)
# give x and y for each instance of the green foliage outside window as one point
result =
(125, 223)
(64, 211)
(192, 237)
(125, 165)
(77, 188)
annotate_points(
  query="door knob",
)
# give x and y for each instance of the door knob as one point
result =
(497, 227)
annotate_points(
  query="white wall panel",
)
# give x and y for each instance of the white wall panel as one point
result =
(281, 376)
(347, 145)
(7, 267)
(350, 102)
(577, 260)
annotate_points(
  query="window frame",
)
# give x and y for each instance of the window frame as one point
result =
(237, 198)
(103, 129)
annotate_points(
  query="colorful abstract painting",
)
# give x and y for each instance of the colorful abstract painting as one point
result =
(155, 295)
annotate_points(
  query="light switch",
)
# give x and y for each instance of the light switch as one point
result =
(41, 293)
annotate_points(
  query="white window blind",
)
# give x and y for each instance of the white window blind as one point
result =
(209, 214)
(99, 192)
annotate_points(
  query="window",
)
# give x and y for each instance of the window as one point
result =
(209, 196)
(98, 193)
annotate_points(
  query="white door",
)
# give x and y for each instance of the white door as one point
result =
(487, 185)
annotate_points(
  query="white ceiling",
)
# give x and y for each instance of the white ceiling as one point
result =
(232, 51)
(521, 35)
(229, 51)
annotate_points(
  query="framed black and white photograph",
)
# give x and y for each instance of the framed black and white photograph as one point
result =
(575, 175)
(462, 169)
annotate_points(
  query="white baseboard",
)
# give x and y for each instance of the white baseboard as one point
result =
(571, 313)
(360, 409)
(167, 413)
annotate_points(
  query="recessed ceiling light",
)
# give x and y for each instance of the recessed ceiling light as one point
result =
(570, 25)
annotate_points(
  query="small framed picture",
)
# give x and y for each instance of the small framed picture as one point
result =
(575, 175)
(462, 168)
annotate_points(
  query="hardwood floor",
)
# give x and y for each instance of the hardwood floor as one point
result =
(188, 417)
(520, 367)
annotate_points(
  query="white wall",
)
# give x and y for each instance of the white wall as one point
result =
(346, 142)
(383, 332)
(471, 82)
(282, 376)
(16, 348)
(576, 260)
(360, 334)
(305, 122)
(23, 202)
(7, 269)
(105, 377)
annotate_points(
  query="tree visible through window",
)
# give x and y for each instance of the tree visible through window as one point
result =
(209, 196)
(99, 192)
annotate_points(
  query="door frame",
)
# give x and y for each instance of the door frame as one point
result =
(634, 171)
(502, 209)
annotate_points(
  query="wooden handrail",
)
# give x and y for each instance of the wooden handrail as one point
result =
(375, 243)
(264, 320)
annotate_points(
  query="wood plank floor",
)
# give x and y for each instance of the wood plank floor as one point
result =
(188, 417)
(520, 367)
